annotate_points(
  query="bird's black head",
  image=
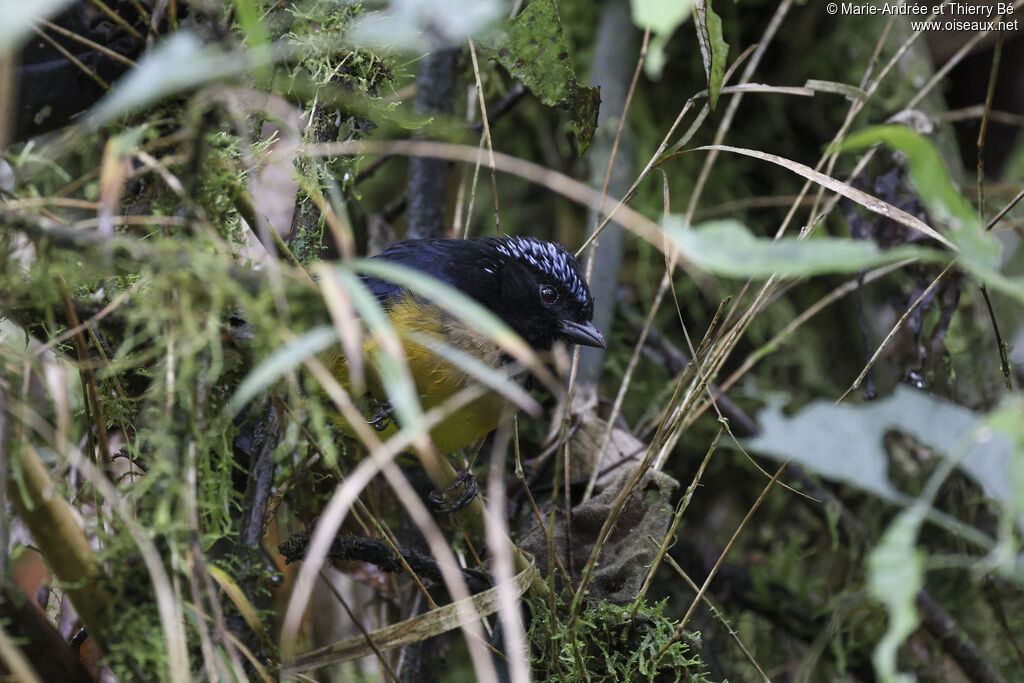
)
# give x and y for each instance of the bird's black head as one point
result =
(536, 287)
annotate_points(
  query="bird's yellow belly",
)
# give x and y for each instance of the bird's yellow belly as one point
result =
(435, 378)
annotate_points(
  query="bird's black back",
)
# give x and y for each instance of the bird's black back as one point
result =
(439, 258)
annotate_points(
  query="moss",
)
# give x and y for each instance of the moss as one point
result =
(344, 85)
(222, 174)
(604, 645)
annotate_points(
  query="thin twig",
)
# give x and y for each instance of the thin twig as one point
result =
(117, 19)
(983, 128)
(670, 535)
(73, 59)
(677, 635)
(718, 615)
(1005, 210)
(487, 136)
(1001, 347)
(116, 56)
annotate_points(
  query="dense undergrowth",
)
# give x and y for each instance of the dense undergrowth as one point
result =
(178, 260)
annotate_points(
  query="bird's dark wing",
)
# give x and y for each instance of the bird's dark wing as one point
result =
(431, 256)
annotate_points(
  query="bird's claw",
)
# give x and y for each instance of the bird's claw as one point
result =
(445, 504)
(382, 418)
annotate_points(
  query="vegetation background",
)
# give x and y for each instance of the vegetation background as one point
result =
(800, 458)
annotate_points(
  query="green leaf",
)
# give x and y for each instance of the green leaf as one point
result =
(662, 17)
(1008, 421)
(713, 48)
(933, 185)
(846, 442)
(727, 248)
(895, 576)
(17, 18)
(869, 202)
(248, 15)
(534, 51)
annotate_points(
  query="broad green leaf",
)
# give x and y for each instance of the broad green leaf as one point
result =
(727, 248)
(418, 26)
(846, 442)
(713, 48)
(895, 576)
(662, 17)
(975, 248)
(17, 18)
(534, 51)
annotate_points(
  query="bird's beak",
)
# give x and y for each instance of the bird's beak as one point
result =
(584, 334)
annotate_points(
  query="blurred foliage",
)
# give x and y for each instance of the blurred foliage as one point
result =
(140, 215)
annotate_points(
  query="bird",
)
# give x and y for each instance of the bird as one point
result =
(535, 286)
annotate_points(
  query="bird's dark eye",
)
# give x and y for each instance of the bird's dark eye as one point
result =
(548, 294)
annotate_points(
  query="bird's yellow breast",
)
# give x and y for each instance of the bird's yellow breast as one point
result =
(435, 378)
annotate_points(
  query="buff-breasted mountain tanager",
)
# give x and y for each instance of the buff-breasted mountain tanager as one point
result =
(536, 287)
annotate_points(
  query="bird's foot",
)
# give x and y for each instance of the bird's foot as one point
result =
(445, 503)
(382, 418)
